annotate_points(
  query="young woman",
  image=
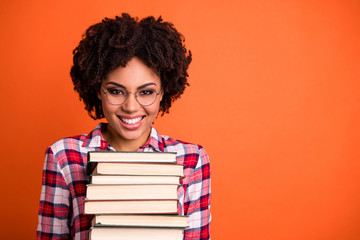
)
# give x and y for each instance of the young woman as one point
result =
(127, 71)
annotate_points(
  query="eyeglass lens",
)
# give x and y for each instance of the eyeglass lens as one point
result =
(118, 96)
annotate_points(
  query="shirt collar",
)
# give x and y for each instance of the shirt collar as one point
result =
(95, 140)
(155, 142)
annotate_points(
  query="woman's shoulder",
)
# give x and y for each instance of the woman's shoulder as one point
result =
(68, 150)
(172, 142)
(67, 153)
(187, 152)
(72, 142)
(77, 142)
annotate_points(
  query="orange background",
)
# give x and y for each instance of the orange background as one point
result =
(274, 99)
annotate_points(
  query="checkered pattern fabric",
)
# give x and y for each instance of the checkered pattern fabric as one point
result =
(64, 184)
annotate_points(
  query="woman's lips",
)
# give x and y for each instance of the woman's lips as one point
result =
(131, 122)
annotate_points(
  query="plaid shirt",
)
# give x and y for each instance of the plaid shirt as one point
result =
(64, 185)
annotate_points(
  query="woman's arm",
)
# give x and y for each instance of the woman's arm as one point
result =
(198, 199)
(54, 202)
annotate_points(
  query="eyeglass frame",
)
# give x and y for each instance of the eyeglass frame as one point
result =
(127, 96)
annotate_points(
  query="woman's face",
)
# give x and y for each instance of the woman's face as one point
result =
(129, 124)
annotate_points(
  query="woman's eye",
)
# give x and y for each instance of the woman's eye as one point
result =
(115, 92)
(147, 92)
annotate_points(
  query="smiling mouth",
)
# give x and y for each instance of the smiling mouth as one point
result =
(131, 121)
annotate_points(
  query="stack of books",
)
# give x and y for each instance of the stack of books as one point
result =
(133, 195)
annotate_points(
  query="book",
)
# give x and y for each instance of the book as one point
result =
(133, 179)
(131, 191)
(131, 206)
(116, 156)
(112, 168)
(140, 220)
(133, 195)
(126, 233)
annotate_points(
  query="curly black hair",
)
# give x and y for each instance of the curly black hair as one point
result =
(113, 42)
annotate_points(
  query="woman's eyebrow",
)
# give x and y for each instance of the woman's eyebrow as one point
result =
(145, 85)
(121, 86)
(116, 84)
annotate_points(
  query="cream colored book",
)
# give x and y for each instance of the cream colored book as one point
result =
(123, 233)
(131, 191)
(115, 156)
(140, 220)
(133, 179)
(149, 169)
(131, 206)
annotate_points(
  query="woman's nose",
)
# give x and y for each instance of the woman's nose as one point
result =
(131, 104)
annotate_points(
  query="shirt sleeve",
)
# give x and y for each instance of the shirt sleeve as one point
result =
(55, 205)
(198, 200)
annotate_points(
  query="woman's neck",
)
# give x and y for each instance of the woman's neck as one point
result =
(121, 144)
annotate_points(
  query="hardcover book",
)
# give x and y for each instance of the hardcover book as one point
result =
(131, 206)
(129, 192)
(126, 233)
(133, 179)
(114, 156)
(140, 220)
(122, 168)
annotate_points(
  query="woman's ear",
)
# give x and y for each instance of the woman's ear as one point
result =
(161, 94)
(98, 92)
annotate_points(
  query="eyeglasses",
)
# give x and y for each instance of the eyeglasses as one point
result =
(117, 96)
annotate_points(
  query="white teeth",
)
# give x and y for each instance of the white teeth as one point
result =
(131, 121)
